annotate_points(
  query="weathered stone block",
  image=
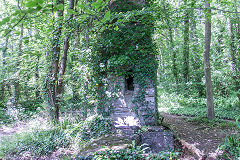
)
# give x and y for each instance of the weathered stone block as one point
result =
(150, 99)
(150, 92)
(158, 141)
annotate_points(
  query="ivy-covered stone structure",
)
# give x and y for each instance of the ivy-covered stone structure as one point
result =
(126, 66)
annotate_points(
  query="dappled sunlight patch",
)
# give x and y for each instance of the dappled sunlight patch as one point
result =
(168, 100)
(38, 123)
(127, 121)
(163, 109)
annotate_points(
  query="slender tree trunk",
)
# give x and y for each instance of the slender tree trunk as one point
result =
(16, 83)
(173, 52)
(237, 54)
(196, 63)
(174, 56)
(207, 70)
(235, 66)
(62, 69)
(53, 106)
(37, 92)
(186, 47)
(85, 98)
(55, 90)
(64, 55)
(2, 94)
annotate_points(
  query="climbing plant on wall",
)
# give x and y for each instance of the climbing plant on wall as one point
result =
(128, 47)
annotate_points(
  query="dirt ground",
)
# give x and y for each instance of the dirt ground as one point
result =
(202, 137)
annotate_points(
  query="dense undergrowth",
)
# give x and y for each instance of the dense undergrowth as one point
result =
(74, 133)
(134, 152)
(37, 143)
(4, 118)
(71, 133)
(231, 146)
(184, 103)
(190, 105)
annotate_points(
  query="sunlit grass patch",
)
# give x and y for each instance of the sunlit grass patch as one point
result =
(39, 142)
(176, 103)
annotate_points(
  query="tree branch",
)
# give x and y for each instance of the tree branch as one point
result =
(212, 8)
(15, 25)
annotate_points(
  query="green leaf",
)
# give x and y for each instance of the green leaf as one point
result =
(60, 7)
(40, 1)
(5, 20)
(116, 28)
(106, 17)
(119, 20)
(103, 28)
(38, 8)
(31, 4)
(96, 5)
(71, 11)
(237, 122)
(6, 31)
(26, 41)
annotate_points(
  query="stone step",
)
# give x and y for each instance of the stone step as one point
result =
(122, 109)
(122, 112)
(124, 115)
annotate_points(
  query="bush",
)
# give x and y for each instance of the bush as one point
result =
(132, 152)
(4, 118)
(231, 147)
(176, 103)
(37, 143)
(93, 127)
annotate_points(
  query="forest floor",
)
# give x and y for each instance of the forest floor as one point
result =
(22, 126)
(202, 137)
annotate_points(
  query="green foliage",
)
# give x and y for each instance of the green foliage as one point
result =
(179, 104)
(167, 155)
(129, 48)
(131, 152)
(93, 127)
(4, 117)
(134, 152)
(231, 146)
(38, 143)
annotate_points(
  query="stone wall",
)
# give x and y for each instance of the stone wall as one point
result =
(146, 110)
(126, 109)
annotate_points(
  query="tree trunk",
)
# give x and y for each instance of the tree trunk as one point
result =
(53, 106)
(207, 70)
(237, 54)
(2, 94)
(173, 52)
(196, 63)
(55, 90)
(16, 83)
(186, 48)
(64, 56)
(174, 56)
(235, 66)
(37, 92)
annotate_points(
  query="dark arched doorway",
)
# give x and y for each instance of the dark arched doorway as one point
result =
(129, 81)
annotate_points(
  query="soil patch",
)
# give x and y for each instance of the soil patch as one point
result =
(203, 137)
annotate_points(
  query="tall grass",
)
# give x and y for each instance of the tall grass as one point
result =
(38, 143)
(179, 104)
